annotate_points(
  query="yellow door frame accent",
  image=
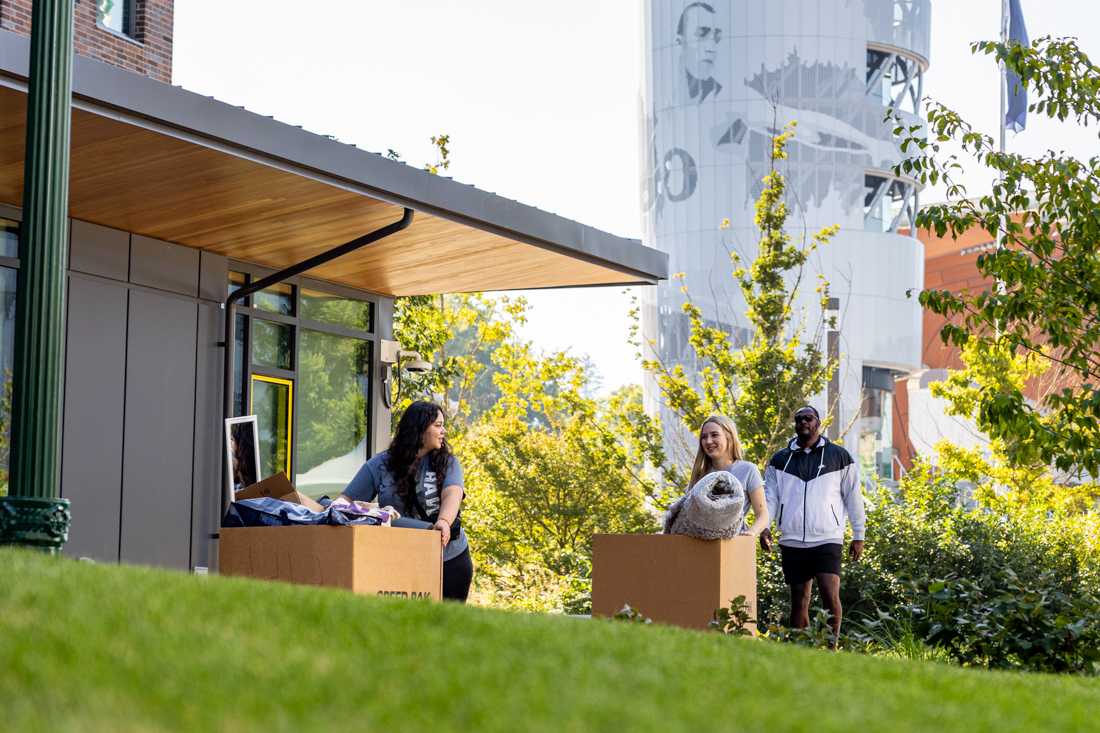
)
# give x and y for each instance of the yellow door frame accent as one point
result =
(289, 384)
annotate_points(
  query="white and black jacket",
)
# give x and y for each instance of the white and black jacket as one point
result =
(811, 492)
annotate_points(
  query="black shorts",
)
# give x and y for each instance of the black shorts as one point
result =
(801, 564)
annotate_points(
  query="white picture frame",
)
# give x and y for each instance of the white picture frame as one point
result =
(239, 432)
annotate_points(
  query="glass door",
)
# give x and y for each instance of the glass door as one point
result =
(272, 404)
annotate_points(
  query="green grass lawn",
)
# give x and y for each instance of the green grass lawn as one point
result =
(104, 648)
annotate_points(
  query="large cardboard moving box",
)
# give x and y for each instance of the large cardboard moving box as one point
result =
(671, 578)
(389, 561)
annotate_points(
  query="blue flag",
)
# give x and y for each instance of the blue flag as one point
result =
(1016, 116)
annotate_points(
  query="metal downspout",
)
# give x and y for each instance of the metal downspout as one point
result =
(274, 279)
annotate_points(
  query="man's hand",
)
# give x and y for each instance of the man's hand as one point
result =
(766, 540)
(855, 550)
(445, 529)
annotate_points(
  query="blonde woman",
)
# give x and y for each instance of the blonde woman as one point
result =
(720, 450)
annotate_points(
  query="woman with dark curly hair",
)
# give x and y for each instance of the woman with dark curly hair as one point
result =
(419, 477)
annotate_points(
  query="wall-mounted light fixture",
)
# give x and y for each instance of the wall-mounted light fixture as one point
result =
(395, 359)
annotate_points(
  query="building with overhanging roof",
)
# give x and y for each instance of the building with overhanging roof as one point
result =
(178, 200)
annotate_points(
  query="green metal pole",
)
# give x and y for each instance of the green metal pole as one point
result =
(33, 515)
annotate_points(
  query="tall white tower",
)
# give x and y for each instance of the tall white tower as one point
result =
(721, 77)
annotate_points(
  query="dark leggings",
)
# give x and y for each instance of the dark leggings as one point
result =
(457, 574)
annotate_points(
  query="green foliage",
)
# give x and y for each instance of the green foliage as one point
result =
(1004, 622)
(762, 383)
(442, 144)
(819, 634)
(890, 637)
(735, 619)
(1046, 303)
(546, 465)
(420, 325)
(459, 334)
(547, 469)
(531, 440)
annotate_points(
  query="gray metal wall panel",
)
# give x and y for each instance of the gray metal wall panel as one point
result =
(206, 497)
(380, 414)
(164, 265)
(99, 250)
(160, 430)
(213, 277)
(91, 467)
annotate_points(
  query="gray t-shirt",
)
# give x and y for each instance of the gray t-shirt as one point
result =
(749, 476)
(375, 482)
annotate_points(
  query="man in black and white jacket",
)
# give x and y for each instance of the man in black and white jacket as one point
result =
(812, 486)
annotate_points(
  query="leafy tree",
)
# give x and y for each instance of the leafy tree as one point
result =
(762, 383)
(547, 470)
(1046, 299)
(459, 334)
(531, 439)
(990, 371)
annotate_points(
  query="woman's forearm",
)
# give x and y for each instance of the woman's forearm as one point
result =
(761, 519)
(449, 504)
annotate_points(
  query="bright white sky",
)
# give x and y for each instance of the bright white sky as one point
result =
(540, 99)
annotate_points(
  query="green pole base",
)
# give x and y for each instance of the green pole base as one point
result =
(42, 524)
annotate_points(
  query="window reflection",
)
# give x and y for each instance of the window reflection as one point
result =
(9, 238)
(327, 308)
(271, 404)
(240, 351)
(333, 390)
(272, 344)
(276, 299)
(116, 15)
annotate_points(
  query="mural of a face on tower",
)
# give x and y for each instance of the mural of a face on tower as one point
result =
(698, 37)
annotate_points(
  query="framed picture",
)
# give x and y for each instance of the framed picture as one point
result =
(242, 450)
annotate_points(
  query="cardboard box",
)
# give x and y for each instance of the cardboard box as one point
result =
(387, 561)
(672, 579)
(278, 487)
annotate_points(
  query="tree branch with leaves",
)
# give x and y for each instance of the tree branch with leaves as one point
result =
(1044, 295)
(762, 383)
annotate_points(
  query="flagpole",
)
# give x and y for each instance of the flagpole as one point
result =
(1000, 240)
(1004, 74)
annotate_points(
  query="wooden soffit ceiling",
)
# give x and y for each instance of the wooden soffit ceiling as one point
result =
(175, 186)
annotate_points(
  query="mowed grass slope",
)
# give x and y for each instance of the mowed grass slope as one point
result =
(105, 648)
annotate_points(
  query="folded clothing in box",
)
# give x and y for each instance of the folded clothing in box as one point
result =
(274, 502)
(268, 512)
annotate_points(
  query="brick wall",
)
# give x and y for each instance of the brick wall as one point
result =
(149, 53)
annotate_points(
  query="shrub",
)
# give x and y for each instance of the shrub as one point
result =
(1002, 581)
(1003, 622)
